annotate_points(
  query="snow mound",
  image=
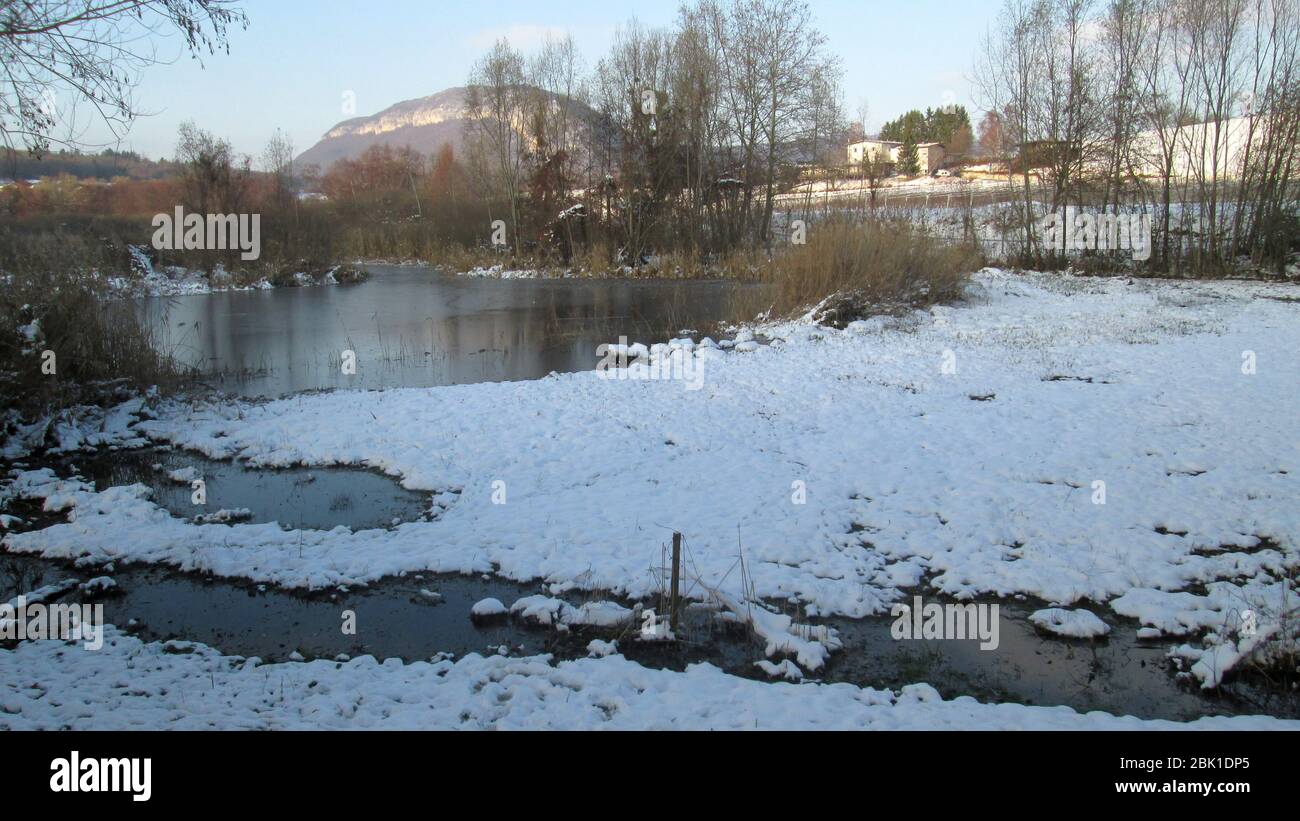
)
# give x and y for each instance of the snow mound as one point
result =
(183, 476)
(786, 669)
(1075, 624)
(98, 586)
(224, 516)
(550, 611)
(487, 608)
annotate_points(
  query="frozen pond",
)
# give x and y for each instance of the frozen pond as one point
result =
(296, 498)
(413, 326)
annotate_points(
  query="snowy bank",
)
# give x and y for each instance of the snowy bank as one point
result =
(132, 685)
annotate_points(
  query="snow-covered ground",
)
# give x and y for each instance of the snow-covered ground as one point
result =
(179, 685)
(1076, 440)
(860, 187)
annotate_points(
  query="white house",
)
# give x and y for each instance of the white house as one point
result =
(873, 150)
(929, 156)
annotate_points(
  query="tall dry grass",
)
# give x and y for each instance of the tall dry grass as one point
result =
(100, 345)
(850, 268)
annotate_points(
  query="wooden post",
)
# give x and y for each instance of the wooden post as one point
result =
(677, 568)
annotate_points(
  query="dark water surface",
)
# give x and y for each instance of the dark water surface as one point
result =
(413, 326)
(398, 618)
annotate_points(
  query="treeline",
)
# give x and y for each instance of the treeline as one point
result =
(675, 145)
(949, 125)
(679, 140)
(1188, 110)
(106, 165)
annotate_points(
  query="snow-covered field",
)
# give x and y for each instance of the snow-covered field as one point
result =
(1075, 440)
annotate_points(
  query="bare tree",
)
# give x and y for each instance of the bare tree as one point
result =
(791, 60)
(90, 52)
(557, 72)
(277, 160)
(1064, 108)
(1007, 73)
(1126, 39)
(632, 85)
(496, 106)
(214, 178)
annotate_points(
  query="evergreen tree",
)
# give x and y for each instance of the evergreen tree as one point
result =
(908, 161)
(936, 125)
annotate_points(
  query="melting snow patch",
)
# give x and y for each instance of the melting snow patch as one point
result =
(487, 609)
(98, 586)
(786, 669)
(183, 476)
(551, 611)
(1075, 624)
(192, 686)
(224, 516)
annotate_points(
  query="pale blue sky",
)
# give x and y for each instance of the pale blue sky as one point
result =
(291, 67)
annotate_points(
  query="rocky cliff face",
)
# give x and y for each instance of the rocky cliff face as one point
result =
(424, 124)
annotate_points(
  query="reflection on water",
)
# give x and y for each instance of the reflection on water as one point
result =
(416, 327)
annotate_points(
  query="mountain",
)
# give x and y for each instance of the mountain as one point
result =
(424, 124)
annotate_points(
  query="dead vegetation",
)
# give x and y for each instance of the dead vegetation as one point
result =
(850, 269)
(63, 343)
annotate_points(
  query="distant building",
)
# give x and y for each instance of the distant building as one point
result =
(874, 150)
(1221, 149)
(929, 156)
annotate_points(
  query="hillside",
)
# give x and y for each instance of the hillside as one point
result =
(424, 124)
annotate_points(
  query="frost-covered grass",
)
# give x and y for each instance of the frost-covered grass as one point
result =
(1090, 390)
